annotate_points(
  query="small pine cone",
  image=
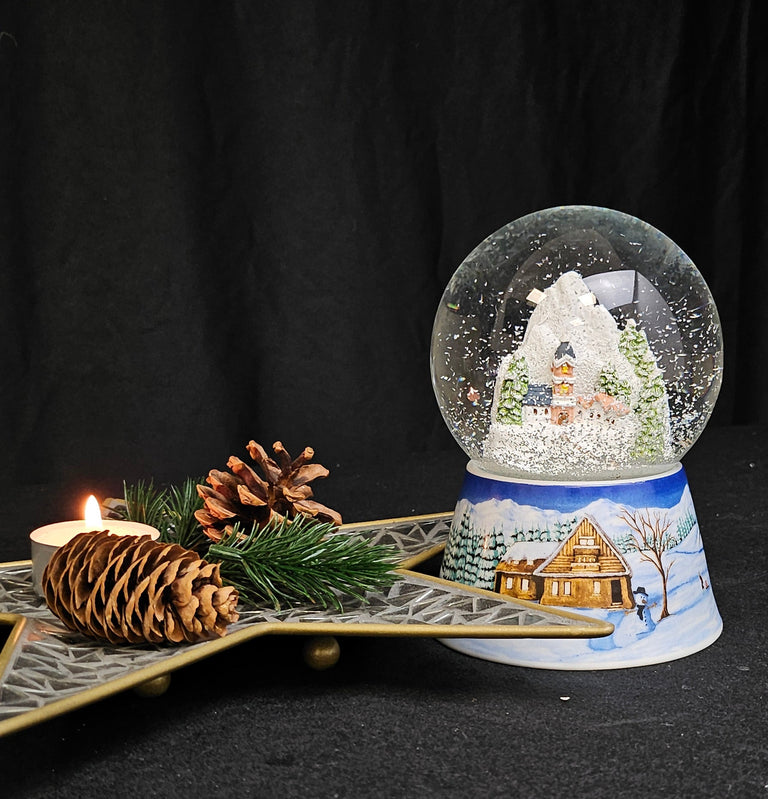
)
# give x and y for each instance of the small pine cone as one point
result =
(130, 589)
(282, 491)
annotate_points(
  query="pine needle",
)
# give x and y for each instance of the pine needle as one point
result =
(303, 561)
(285, 562)
(171, 510)
(180, 505)
(144, 503)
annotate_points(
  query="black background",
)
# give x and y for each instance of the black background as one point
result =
(224, 221)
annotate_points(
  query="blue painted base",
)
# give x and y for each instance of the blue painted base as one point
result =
(626, 551)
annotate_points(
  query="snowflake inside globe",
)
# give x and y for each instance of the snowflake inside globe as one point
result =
(576, 343)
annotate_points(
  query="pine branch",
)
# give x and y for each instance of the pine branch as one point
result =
(171, 510)
(302, 561)
(180, 505)
(144, 503)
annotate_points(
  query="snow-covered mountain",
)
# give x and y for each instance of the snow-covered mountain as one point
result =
(568, 312)
(510, 516)
(616, 417)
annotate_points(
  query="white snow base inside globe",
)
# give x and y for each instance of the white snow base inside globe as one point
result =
(624, 551)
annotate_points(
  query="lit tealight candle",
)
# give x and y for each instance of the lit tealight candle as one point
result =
(46, 540)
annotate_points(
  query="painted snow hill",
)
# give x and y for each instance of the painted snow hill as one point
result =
(630, 554)
(579, 396)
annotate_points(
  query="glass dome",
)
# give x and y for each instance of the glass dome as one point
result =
(576, 343)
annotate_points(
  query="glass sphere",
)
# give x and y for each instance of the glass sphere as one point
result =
(576, 343)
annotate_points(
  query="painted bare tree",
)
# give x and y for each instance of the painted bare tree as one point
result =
(652, 540)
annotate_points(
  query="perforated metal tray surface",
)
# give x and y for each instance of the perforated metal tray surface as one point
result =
(47, 670)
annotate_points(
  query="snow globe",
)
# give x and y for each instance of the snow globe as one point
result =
(576, 357)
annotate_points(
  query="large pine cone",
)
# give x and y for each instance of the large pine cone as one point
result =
(243, 495)
(130, 589)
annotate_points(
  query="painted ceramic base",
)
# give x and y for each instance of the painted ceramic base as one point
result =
(624, 551)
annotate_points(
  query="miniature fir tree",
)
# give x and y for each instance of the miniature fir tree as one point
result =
(625, 543)
(463, 560)
(454, 556)
(501, 546)
(685, 524)
(513, 389)
(490, 554)
(564, 528)
(610, 383)
(472, 567)
(650, 404)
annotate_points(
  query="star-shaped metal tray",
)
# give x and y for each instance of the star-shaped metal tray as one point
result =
(47, 670)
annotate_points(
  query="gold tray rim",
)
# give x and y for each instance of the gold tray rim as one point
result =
(585, 627)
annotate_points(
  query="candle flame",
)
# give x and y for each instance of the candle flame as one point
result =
(93, 514)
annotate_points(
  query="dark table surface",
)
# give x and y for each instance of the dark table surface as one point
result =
(409, 717)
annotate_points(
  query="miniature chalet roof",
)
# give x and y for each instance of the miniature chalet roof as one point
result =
(539, 557)
(586, 528)
(564, 353)
(538, 394)
(519, 567)
(528, 551)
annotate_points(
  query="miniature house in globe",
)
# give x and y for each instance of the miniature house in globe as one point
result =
(576, 357)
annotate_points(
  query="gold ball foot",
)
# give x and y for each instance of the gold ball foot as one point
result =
(157, 686)
(321, 652)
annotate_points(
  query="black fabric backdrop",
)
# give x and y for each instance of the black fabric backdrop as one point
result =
(234, 220)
